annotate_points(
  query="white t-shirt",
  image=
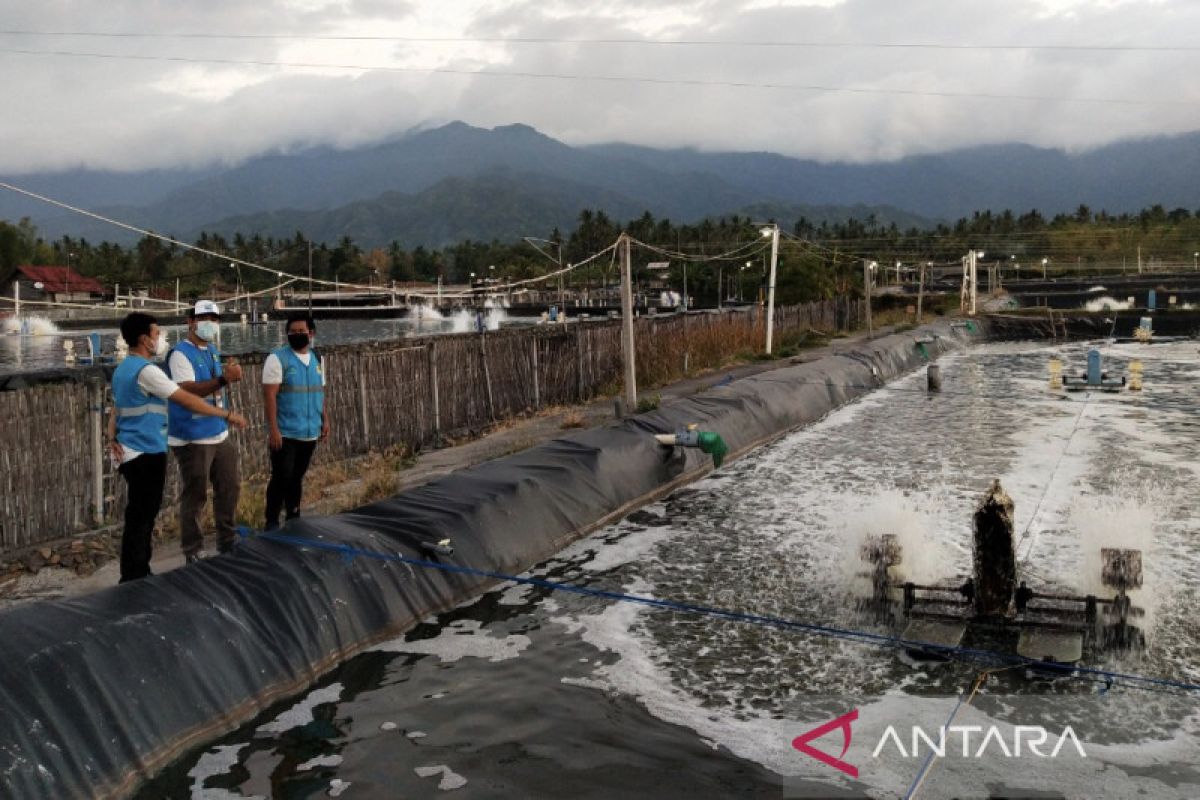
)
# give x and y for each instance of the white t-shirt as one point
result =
(182, 372)
(153, 381)
(272, 371)
(272, 374)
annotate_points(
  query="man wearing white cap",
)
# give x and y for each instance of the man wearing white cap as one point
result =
(201, 443)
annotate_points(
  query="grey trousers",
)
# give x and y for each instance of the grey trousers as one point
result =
(198, 465)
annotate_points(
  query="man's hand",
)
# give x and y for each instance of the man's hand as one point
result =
(236, 420)
(232, 371)
(324, 431)
(275, 440)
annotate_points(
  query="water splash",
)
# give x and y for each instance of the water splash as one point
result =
(32, 325)
(1107, 303)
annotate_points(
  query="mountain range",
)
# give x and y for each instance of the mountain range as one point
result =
(441, 185)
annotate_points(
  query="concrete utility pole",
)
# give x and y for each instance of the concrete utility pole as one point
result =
(627, 343)
(920, 290)
(970, 283)
(772, 231)
(310, 278)
(867, 294)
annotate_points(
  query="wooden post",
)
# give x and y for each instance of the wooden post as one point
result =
(487, 376)
(579, 361)
(362, 399)
(627, 343)
(431, 350)
(96, 418)
(537, 396)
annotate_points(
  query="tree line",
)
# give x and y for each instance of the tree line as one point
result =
(817, 259)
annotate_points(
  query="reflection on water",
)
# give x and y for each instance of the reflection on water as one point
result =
(42, 347)
(528, 692)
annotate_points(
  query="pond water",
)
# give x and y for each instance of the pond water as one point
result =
(39, 343)
(527, 692)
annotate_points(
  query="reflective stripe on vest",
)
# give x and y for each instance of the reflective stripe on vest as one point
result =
(300, 404)
(141, 417)
(183, 424)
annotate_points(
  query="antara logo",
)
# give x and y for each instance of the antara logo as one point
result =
(1034, 737)
(801, 743)
(1025, 739)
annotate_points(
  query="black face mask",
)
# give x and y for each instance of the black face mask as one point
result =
(298, 341)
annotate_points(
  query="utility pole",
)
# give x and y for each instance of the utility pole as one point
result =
(867, 295)
(177, 295)
(310, 278)
(720, 289)
(627, 343)
(920, 289)
(773, 232)
(1139, 259)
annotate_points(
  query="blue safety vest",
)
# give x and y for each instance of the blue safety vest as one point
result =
(141, 417)
(300, 404)
(181, 423)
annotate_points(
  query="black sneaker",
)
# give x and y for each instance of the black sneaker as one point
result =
(192, 558)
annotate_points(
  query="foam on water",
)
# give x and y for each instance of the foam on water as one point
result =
(301, 713)
(461, 639)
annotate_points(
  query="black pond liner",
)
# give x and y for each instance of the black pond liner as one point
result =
(100, 692)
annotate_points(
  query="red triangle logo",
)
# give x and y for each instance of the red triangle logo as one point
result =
(801, 743)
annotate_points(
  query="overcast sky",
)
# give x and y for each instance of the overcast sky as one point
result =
(63, 108)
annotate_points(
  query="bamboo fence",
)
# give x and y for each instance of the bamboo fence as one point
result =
(57, 482)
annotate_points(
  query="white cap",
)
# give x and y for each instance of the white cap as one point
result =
(205, 307)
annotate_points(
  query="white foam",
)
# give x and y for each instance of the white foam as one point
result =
(337, 786)
(320, 761)
(461, 639)
(1107, 303)
(450, 779)
(217, 761)
(301, 713)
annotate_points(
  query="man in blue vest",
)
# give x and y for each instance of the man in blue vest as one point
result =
(294, 404)
(200, 442)
(140, 394)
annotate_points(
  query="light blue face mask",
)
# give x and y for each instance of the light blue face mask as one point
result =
(208, 330)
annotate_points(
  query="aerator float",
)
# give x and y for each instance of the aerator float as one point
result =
(1095, 378)
(1051, 628)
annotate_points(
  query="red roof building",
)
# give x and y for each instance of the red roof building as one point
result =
(59, 280)
(56, 284)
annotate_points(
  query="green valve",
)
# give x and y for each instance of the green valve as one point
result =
(715, 446)
(924, 352)
(706, 441)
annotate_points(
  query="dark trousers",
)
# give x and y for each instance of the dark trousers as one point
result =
(145, 477)
(200, 464)
(288, 465)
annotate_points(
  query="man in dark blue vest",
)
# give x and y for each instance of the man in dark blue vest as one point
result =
(140, 394)
(201, 443)
(293, 379)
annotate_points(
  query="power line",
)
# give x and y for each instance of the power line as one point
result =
(635, 79)
(743, 43)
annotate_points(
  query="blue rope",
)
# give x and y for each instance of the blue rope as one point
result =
(349, 553)
(929, 758)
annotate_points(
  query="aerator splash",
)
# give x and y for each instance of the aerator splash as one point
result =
(995, 603)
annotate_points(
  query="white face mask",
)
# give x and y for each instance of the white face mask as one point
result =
(162, 346)
(208, 330)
